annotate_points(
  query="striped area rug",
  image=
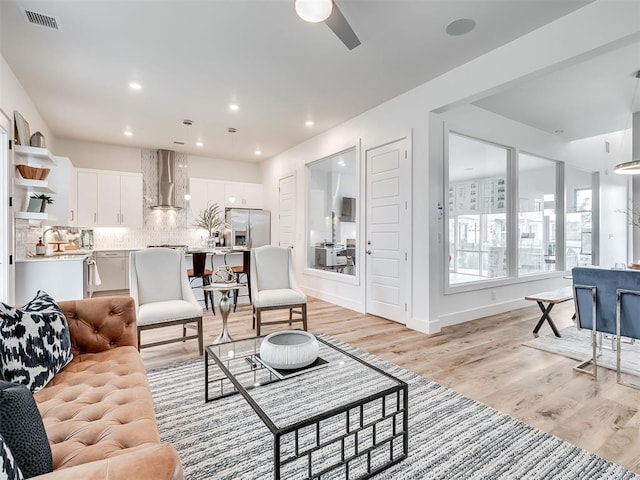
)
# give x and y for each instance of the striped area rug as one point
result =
(450, 436)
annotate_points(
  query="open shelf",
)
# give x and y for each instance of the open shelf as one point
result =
(33, 185)
(41, 155)
(32, 216)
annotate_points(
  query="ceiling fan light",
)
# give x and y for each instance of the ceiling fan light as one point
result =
(628, 168)
(313, 11)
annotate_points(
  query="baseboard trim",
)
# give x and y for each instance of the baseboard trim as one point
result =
(335, 299)
(486, 310)
(424, 326)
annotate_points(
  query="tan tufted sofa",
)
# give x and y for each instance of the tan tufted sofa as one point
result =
(98, 411)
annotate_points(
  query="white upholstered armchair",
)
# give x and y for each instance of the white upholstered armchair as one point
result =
(273, 286)
(163, 295)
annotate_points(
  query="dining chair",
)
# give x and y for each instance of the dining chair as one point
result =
(274, 287)
(159, 285)
(199, 270)
(608, 306)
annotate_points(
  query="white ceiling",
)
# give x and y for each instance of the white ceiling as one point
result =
(593, 97)
(195, 57)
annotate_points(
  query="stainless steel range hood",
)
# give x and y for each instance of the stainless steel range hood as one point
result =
(166, 181)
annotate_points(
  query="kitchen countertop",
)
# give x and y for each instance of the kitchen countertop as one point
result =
(61, 257)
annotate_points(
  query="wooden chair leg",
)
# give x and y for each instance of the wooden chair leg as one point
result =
(304, 316)
(258, 322)
(200, 337)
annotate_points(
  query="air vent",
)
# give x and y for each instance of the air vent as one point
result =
(41, 20)
(178, 143)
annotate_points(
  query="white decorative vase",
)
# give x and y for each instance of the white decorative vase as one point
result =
(289, 350)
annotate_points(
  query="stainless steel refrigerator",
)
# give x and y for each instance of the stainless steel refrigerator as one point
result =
(249, 228)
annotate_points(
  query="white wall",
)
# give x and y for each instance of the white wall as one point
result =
(614, 191)
(102, 156)
(14, 97)
(597, 26)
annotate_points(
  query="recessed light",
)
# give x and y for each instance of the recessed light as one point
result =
(460, 26)
(309, 123)
(135, 86)
(128, 133)
(258, 152)
(234, 107)
(199, 144)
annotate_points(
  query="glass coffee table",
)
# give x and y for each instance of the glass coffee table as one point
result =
(341, 417)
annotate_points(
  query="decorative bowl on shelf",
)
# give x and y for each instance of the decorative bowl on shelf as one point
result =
(33, 173)
(289, 350)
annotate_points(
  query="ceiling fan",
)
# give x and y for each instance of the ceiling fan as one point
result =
(328, 12)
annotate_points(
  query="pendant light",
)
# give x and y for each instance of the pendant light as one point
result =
(313, 11)
(632, 167)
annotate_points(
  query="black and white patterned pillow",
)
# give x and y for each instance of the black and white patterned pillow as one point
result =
(9, 469)
(34, 342)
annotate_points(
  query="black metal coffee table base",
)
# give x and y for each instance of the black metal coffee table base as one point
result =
(356, 440)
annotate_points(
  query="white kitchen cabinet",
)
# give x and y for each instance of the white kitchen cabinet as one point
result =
(62, 278)
(203, 192)
(243, 195)
(109, 199)
(87, 194)
(108, 208)
(113, 268)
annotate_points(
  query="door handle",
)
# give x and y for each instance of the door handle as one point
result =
(368, 252)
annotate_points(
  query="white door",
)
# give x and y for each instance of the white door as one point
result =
(388, 240)
(6, 223)
(287, 210)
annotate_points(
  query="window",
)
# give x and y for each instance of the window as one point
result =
(506, 214)
(579, 228)
(478, 200)
(537, 190)
(331, 213)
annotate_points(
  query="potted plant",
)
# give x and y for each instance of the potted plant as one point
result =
(45, 199)
(212, 220)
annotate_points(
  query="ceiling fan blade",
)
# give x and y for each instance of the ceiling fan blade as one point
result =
(341, 28)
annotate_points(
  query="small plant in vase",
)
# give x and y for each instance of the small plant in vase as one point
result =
(212, 220)
(45, 199)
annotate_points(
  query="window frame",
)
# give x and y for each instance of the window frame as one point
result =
(326, 274)
(511, 175)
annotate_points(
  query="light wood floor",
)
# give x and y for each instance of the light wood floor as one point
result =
(483, 359)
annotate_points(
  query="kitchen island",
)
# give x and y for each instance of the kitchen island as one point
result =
(64, 277)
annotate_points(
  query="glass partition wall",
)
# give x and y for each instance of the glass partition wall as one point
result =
(478, 197)
(331, 213)
(506, 213)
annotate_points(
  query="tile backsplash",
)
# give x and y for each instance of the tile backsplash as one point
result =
(160, 226)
